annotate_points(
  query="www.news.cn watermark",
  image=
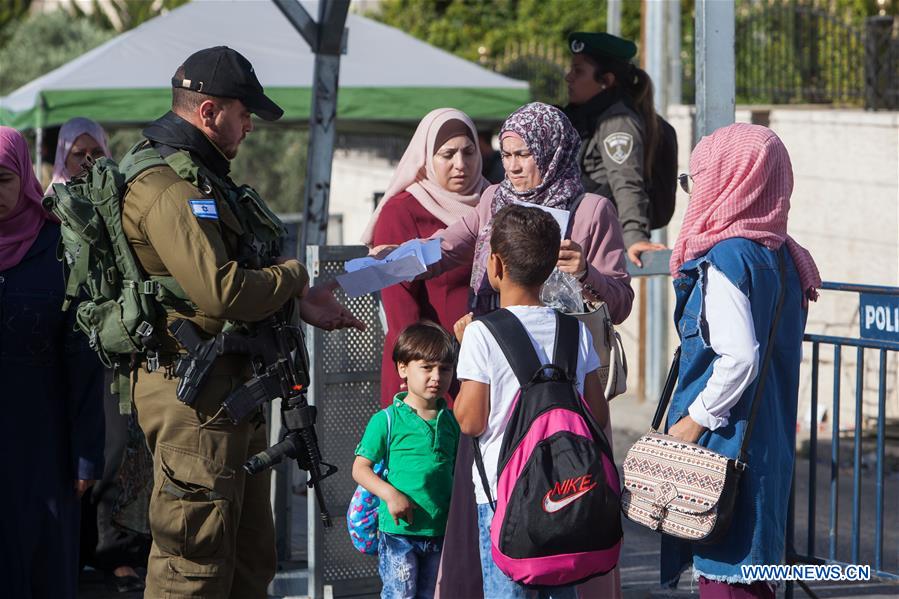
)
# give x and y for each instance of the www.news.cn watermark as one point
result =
(808, 572)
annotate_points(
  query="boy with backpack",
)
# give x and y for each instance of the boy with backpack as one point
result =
(417, 438)
(545, 483)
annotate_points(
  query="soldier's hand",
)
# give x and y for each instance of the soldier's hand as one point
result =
(633, 252)
(321, 309)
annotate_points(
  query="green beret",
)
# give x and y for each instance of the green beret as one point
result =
(601, 45)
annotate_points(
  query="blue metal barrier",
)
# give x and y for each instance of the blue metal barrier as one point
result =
(880, 570)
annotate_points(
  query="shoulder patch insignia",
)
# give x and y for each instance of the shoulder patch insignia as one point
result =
(204, 208)
(618, 146)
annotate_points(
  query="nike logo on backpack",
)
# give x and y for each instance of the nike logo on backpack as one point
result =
(571, 490)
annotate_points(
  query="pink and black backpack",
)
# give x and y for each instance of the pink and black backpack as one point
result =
(556, 517)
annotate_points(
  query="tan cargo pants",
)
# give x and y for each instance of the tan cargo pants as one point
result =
(213, 534)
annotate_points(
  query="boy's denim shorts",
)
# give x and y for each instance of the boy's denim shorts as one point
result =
(408, 565)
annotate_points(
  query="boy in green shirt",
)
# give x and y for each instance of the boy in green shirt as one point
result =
(423, 436)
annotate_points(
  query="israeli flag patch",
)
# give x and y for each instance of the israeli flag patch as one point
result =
(204, 208)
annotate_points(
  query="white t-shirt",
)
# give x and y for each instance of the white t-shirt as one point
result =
(481, 359)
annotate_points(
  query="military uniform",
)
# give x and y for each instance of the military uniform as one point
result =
(611, 159)
(612, 133)
(211, 522)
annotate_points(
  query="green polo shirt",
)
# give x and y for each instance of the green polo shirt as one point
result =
(420, 465)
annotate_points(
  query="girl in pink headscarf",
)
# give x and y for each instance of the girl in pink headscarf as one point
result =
(732, 263)
(80, 140)
(51, 384)
(437, 182)
(114, 540)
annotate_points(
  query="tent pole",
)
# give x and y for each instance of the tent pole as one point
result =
(322, 123)
(327, 38)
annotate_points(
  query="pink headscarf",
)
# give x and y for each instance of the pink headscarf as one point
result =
(415, 174)
(19, 230)
(68, 133)
(742, 181)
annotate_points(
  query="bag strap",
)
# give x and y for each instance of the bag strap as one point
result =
(389, 430)
(479, 462)
(572, 208)
(769, 349)
(566, 345)
(671, 381)
(515, 343)
(667, 390)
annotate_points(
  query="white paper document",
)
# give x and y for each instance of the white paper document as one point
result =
(560, 215)
(366, 275)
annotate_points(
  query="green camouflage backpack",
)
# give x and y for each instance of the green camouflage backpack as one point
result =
(119, 303)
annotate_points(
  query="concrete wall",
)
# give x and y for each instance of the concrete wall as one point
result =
(845, 210)
(355, 177)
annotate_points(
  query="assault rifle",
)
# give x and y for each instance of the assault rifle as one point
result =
(277, 353)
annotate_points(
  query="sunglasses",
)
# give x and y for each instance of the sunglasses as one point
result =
(686, 182)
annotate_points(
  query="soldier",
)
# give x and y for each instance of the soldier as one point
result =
(611, 106)
(191, 225)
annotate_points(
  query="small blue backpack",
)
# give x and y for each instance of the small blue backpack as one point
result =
(362, 515)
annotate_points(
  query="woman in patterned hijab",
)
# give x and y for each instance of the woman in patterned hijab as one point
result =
(539, 149)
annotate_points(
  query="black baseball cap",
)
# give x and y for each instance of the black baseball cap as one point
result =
(224, 72)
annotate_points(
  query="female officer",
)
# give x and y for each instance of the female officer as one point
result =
(611, 106)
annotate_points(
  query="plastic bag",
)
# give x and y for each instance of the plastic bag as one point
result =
(562, 292)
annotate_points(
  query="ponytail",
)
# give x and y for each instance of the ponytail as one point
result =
(640, 89)
(635, 82)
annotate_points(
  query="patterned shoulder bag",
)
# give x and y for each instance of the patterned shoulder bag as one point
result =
(683, 489)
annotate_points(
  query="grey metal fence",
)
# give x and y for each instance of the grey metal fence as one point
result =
(827, 548)
(345, 387)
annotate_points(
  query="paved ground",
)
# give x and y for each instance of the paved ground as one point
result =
(640, 557)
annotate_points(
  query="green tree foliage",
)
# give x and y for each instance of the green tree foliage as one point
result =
(122, 15)
(787, 50)
(11, 12)
(272, 159)
(464, 26)
(44, 42)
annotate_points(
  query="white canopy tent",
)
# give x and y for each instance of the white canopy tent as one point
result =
(385, 76)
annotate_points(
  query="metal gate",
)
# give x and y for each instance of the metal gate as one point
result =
(345, 386)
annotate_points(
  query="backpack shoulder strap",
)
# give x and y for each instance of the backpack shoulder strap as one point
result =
(389, 430)
(566, 345)
(140, 157)
(515, 342)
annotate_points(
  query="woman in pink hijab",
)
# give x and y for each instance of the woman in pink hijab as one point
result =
(437, 182)
(742, 284)
(52, 422)
(80, 140)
